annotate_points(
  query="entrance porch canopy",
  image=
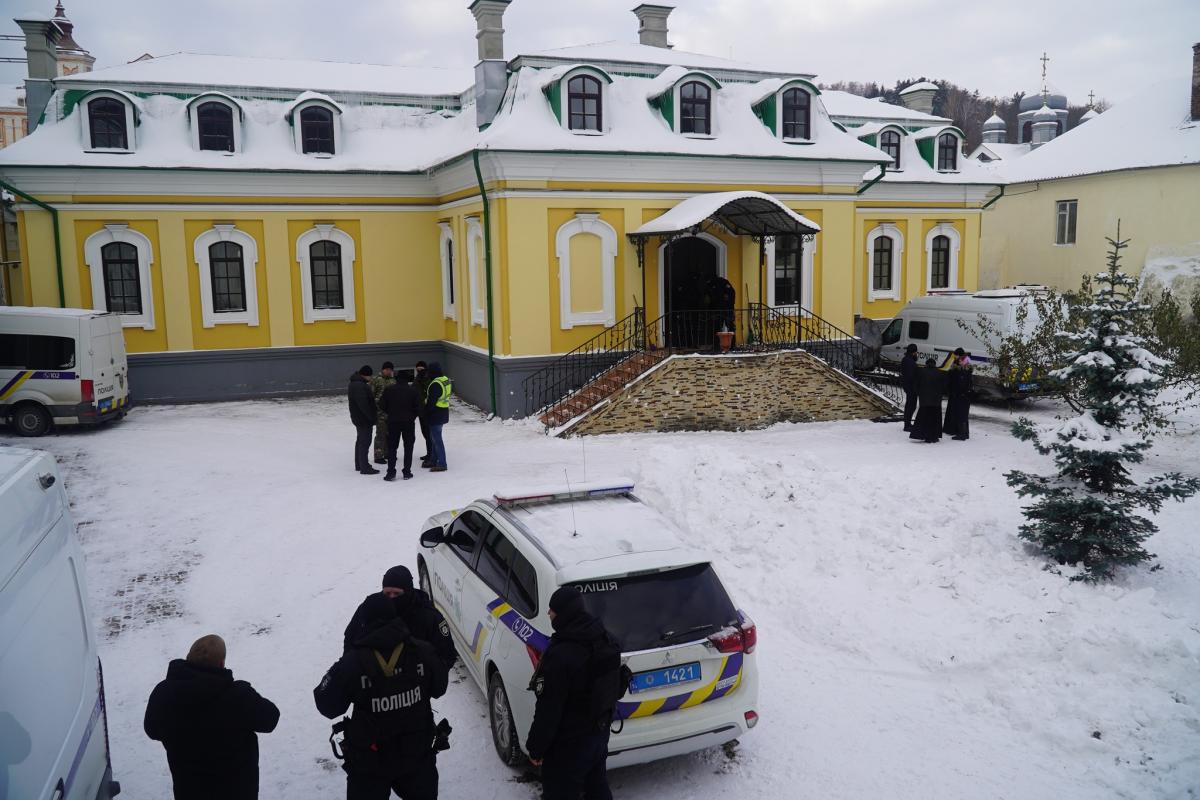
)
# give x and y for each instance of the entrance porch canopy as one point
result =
(741, 213)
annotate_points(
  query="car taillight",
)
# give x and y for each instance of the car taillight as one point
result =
(749, 635)
(742, 638)
(751, 719)
(87, 389)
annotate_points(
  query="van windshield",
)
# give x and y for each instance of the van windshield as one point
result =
(643, 612)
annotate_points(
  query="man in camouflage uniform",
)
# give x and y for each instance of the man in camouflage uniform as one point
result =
(383, 380)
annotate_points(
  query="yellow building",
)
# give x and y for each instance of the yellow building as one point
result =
(266, 226)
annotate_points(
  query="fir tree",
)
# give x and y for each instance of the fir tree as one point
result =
(1086, 513)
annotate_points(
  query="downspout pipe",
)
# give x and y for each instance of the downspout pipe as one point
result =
(882, 172)
(989, 203)
(487, 268)
(62, 296)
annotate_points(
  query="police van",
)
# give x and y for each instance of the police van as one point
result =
(61, 366)
(492, 566)
(53, 722)
(935, 324)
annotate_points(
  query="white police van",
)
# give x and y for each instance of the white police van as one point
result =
(492, 566)
(53, 723)
(61, 366)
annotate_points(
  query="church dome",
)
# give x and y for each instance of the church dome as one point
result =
(1032, 101)
(994, 123)
(1091, 113)
(1045, 114)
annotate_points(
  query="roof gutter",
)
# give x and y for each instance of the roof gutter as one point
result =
(882, 172)
(487, 261)
(988, 204)
(62, 297)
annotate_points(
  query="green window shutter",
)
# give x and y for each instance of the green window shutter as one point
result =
(71, 99)
(767, 112)
(871, 139)
(554, 94)
(665, 103)
(926, 147)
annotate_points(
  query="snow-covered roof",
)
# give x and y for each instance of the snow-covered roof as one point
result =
(634, 53)
(1091, 113)
(1002, 151)
(994, 121)
(48, 311)
(1152, 130)
(695, 210)
(233, 72)
(1045, 113)
(844, 105)
(922, 86)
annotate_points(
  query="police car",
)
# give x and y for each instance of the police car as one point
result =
(492, 566)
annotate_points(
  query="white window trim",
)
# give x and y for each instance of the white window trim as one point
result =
(319, 233)
(696, 77)
(951, 233)
(587, 223)
(227, 233)
(297, 127)
(812, 114)
(903, 137)
(958, 152)
(477, 288)
(234, 108)
(885, 229)
(120, 232)
(565, 101)
(806, 276)
(722, 265)
(446, 237)
(130, 122)
(1057, 212)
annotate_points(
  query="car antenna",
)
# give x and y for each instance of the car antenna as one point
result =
(574, 526)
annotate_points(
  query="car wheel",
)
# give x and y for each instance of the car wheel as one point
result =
(31, 420)
(423, 578)
(504, 729)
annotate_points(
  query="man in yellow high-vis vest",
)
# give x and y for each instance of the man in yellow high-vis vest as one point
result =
(437, 408)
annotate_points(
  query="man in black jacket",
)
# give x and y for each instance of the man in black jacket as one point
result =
(389, 677)
(402, 406)
(208, 723)
(417, 611)
(931, 385)
(908, 380)
(363, 414)
(421, 383)
(568, 738)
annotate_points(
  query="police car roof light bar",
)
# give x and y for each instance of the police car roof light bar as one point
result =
(557, 494)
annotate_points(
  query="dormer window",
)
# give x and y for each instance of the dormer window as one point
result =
(889, 142)
(216, 121)
(695, 108)
(797, 114)
(585, 104)
(947, 152)
(788, 110)
(316, 125)
(108, 121)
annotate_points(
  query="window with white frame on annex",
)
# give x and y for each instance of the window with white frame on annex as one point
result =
(326, 255)
(446, 251)
(695, 108)
(947, 152)
(108, 122)
(789, 253)
(1066, 213)
(942, 245)
(119, 261)
(227, 259)
(585, 103)
(797, 114)
(885, 244)
(586, 248)
(476, 277)
(889, 142)
(216, 123)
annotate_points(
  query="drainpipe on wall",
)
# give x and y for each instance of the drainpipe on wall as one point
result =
(988, 204)
(62, 297)
(487, 262)
(882, 172)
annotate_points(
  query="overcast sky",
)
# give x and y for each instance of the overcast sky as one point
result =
(1110, 46)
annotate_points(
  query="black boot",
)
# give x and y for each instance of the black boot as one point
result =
(390, 476)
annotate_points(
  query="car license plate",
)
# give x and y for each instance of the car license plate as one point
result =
(1027, 387)
(106, 404)
(668, 676)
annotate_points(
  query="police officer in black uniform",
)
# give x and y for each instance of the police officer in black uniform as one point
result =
(389, 677)
(577, 684)
(416, 609)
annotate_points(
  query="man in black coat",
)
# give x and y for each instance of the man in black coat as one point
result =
(402, 406)
(567, 739)
(363, 413)
(209, 724)
(958, 398)
(931, 385)
(389, 677)
(908, 380)
(421, 384)
(417, 611)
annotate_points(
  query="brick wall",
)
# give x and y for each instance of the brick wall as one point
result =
(732, 393)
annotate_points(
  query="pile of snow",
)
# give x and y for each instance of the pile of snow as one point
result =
(1174, 269)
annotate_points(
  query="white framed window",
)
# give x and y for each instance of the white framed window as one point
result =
(475, 277)
(326, 257)
(119, 261)
(885, 260)
(215, 121)
(1066, 213)
(587, 225)
(790, 273)
(695, 103)
(942, 245)
(109, 122)
(316, 125)
(583, 101)
(948, 151)
(890, 141)
(446, 251)
(227, 259)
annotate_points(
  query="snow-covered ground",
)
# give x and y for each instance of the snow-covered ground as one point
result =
(909, 646)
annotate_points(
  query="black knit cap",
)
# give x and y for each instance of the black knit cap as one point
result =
(388, 365)
(366, 371)
(912, 348)
(958, 351)
(376, 609)
(398, 577)
(566, 602)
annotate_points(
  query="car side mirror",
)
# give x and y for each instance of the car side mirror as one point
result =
(432, 538)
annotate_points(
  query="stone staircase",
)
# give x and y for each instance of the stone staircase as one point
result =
(600, 388)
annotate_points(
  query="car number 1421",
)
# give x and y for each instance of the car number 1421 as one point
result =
(658, 678)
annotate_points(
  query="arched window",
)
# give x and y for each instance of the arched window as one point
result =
(122, 279)
(214, 122)
(107, 124)
(584, 103)
(695, 108)
(227, 270)
(881, 265)
(316, 130)
(889, 142)
(797, 112)
(947, 152)
(325, 264)
(1026, 132)
(940, 272)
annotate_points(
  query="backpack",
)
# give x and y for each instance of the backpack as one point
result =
(609, 680)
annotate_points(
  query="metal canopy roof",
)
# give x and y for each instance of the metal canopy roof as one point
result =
(741, 213)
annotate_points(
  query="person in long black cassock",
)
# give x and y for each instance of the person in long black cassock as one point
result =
(931, 385)
(958, 398)
(908, 381)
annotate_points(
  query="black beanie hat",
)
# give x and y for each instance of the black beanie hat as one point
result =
(420, 365)
(366, 371)
(398, 577)
(377, 608)
(566, 602)
(388, 365)
(912, 348)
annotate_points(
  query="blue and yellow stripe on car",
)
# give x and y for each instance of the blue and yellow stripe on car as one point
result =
(477, 640)
(729, 677)
(534, 640)
(14, 384)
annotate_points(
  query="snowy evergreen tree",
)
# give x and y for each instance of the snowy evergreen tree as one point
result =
(1086, 513)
